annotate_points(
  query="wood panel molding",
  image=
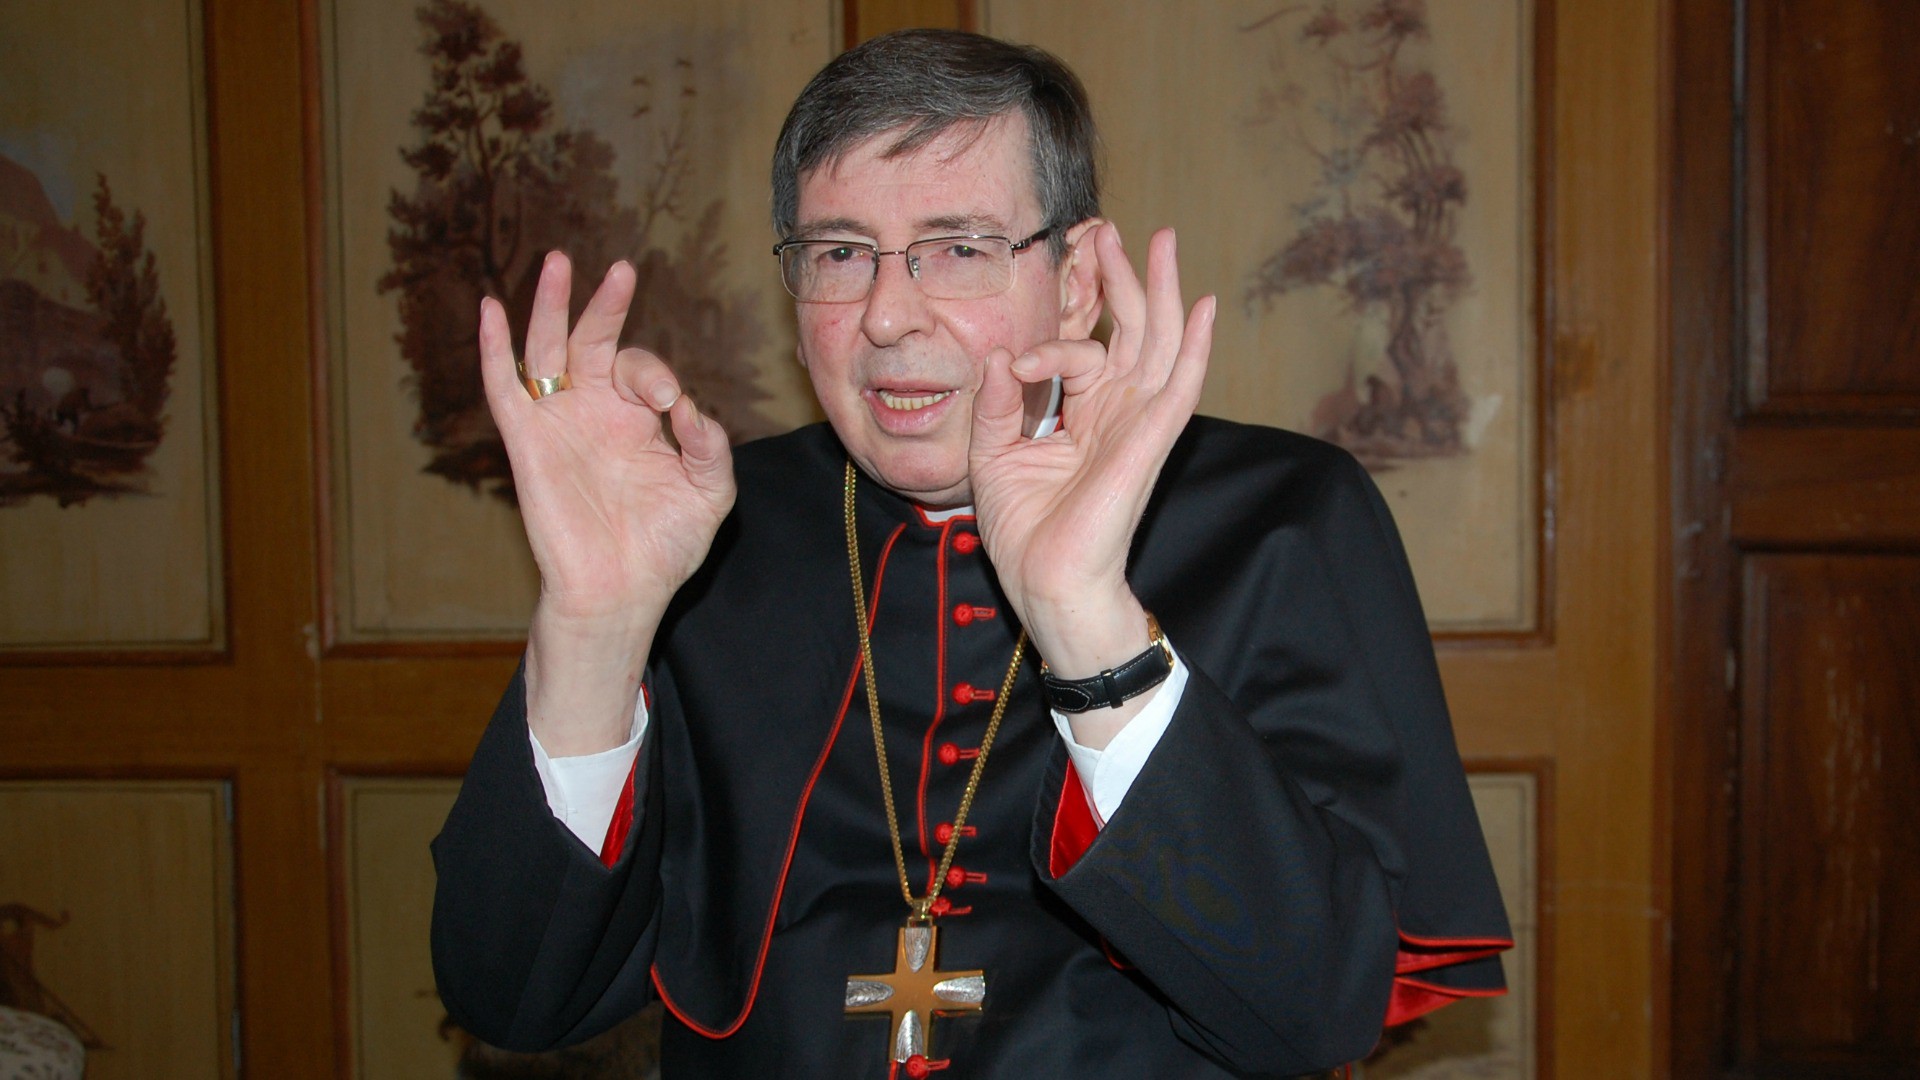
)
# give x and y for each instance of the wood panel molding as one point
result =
(1695, 645)
(1830, 972)
(1831, 243)
(1834, 487)
(1541, 769)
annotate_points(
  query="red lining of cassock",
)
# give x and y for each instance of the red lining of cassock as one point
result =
(1074, 827)
(622, 823)
(1413, 998)
(793, 835)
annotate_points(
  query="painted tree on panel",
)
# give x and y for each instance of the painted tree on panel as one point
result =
(87, 349)
(1381, 223)
(498, 183)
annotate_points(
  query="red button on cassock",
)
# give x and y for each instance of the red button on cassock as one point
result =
(943, 832)
(964, 543)
(964, 614)
(957, 877)
(953, 755)
(967, 694)
(944, 906)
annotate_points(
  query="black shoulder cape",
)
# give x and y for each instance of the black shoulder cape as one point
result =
(1298, 859)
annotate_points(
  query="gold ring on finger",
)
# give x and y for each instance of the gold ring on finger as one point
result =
(544, 386)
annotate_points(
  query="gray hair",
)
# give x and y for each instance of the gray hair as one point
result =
(928, 81)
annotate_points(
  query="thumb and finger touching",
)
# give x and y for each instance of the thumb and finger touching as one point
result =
(704, 450)
(997, 406)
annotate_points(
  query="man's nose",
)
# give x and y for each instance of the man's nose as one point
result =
(896, 307)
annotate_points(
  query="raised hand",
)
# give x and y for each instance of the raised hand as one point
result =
(1058, 514)
(617, 517)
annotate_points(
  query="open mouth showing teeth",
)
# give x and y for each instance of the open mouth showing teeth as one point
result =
(910, 402)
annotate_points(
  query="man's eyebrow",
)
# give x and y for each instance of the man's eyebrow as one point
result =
(950, 224)
(832, 225)
(969, 224)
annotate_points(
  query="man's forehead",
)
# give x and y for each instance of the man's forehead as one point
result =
(981, 170)
(977, 223)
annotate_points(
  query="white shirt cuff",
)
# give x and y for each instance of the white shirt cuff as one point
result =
(1107, 775)
(584, 790)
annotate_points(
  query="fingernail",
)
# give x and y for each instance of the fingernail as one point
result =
(663, 396)
(1025, 364)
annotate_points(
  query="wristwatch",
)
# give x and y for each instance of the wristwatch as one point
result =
(1115, 684)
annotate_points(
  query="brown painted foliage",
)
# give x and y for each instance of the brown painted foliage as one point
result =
(498, 184)
(1381, 227)
(95, 439)
(125, 289)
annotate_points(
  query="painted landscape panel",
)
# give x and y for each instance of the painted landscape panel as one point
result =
(108, 500)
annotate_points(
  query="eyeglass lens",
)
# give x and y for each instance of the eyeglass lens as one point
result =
(949, 268)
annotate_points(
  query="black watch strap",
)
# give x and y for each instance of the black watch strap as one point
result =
(1116, 684)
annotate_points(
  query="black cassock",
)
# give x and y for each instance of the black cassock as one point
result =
(1299, 852)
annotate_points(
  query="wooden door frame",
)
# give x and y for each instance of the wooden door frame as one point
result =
(1697, 636)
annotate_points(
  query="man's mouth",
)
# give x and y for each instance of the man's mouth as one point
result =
(910, 402)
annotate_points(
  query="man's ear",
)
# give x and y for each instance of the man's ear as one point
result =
(800, 354)
(1080, 295)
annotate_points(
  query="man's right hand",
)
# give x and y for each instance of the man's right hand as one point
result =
(618, 518)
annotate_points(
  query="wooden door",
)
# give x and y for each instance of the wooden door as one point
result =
(1795, 552)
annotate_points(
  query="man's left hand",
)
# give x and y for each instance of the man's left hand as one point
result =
(1058, 514)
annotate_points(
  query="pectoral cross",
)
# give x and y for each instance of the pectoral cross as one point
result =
(915, 991)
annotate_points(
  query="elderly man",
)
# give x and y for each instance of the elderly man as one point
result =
(1014, 721)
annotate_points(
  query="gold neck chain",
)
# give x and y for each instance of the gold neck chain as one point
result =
(922, 906)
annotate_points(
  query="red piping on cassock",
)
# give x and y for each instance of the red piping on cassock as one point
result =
(793, 834)
(939, 696)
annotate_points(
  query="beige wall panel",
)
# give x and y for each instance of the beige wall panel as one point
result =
(420, 556)
(1213, 114)
(131, 560)
(135, 878)
(395, 1012)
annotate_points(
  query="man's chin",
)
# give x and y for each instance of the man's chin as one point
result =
(936, 486)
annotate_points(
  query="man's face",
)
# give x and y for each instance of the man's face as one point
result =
(896, 373)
